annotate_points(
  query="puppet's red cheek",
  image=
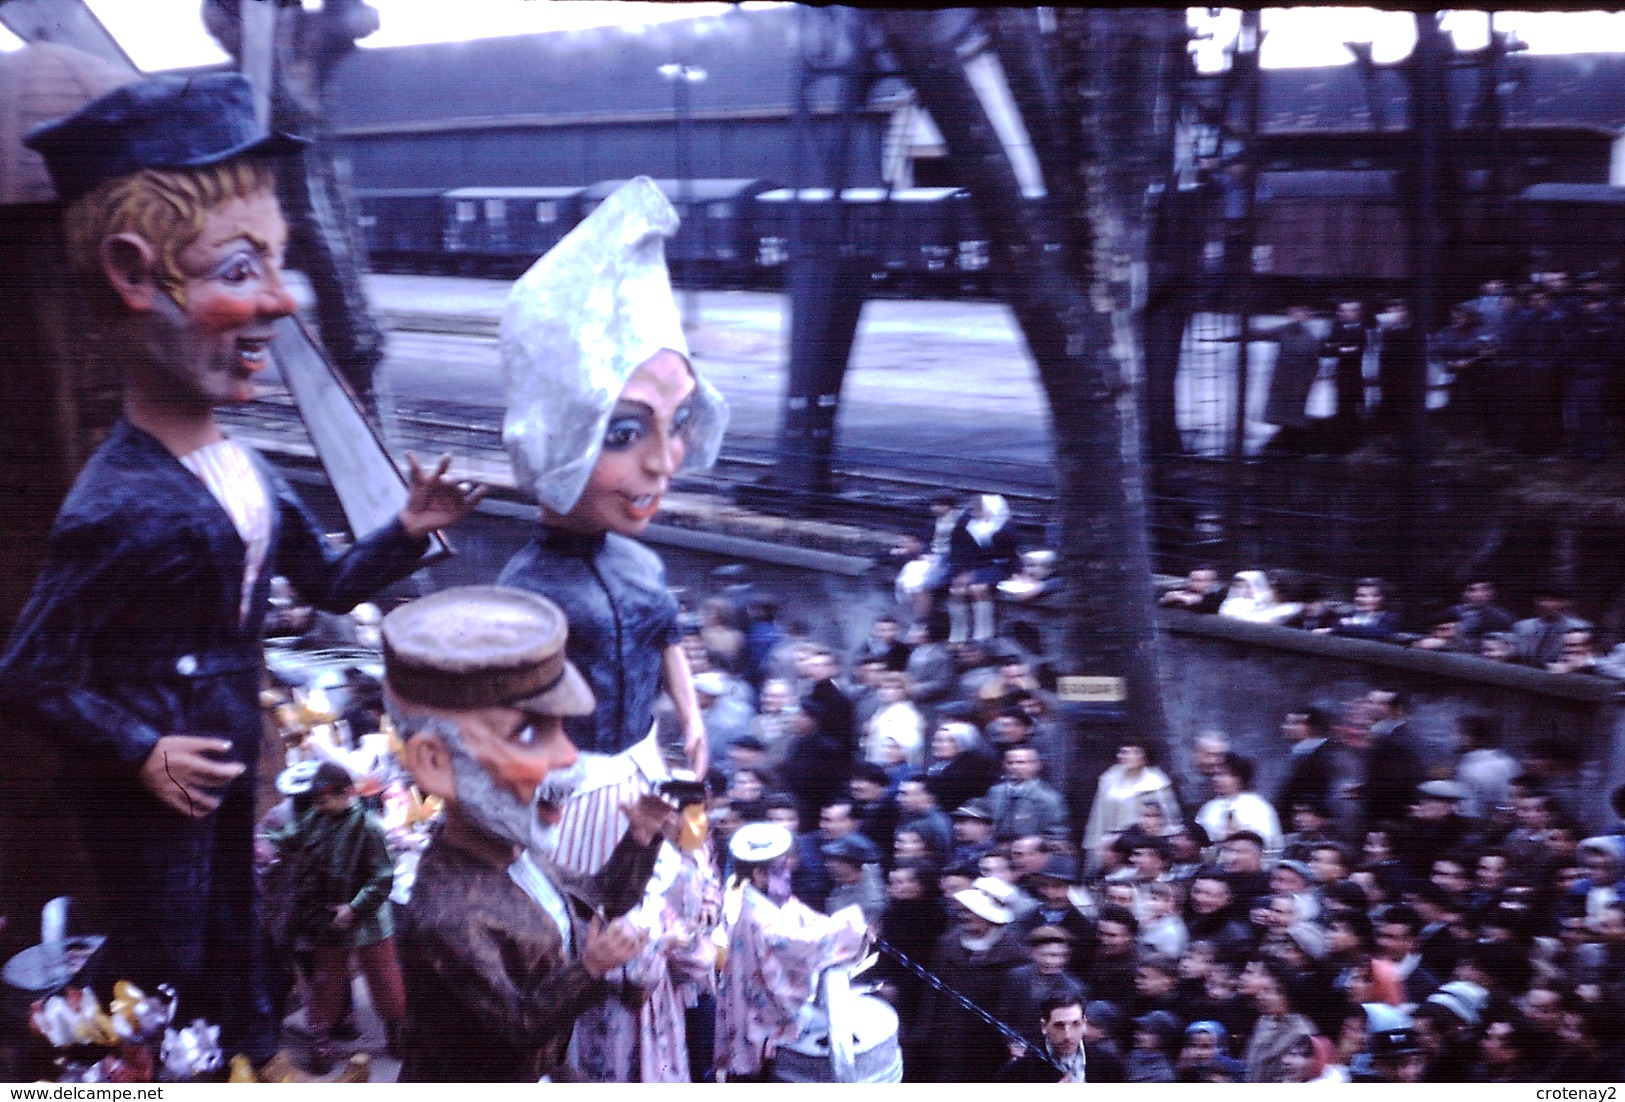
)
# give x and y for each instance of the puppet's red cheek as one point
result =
(214, 312)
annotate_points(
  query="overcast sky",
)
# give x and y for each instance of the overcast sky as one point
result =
(164, 34)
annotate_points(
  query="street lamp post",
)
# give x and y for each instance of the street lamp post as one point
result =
(682, 75)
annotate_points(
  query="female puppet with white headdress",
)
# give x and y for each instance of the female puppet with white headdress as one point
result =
(604, 407)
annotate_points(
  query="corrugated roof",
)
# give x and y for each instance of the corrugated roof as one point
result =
(1575, 193)
(696, 191)
(750, 59)
(513, 192)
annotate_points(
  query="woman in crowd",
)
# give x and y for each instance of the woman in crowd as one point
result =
(1253, 598)
(1119, 794)
(982, 552)
(1370, 618)
(1236, 807)
(960, 768)
(897, 720)
(1279, 1028)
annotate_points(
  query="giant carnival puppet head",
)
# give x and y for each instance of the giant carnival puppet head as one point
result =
(169, 198)
(603, 403)
(476, 680)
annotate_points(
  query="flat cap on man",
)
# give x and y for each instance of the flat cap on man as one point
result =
(852, 848)
(974, 809)
(167, 121)
(478, 646)
(1058, 866)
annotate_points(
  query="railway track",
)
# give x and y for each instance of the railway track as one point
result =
(871, 486)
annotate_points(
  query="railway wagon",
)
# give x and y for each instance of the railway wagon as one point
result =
(503, 230)
(1576, 228)
(1332, 225)
(402, 228)
(916, 238)
(715, 243)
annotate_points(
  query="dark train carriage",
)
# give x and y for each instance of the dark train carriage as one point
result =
(504, 229)
(715, 244)
(914, 237)
(1330, 226)
(1573, 227)
(401, 227)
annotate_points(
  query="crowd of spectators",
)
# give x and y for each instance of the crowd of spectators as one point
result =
(1552, 638)
(1532, 365)
(1415, 921)
(1536, 364)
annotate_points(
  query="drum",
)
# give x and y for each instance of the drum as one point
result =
(875, 1055)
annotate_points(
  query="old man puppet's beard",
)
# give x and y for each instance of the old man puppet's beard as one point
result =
(530, 824)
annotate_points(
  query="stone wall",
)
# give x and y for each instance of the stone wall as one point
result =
(1235, 677)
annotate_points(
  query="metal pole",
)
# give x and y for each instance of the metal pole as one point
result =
(685, 196)
(258, 62)
(1249, 45)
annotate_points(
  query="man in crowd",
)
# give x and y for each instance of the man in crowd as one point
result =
(852, 864)
(1311, 768)
(1484, 770)
(1117, 954)
(1021, 803)
(973, 832)
(1479, 615)
(1060, 1057)
(1346, 343)
(1398, 935)
(973, 959)
(1200, 593)
(1538, 641)
(501, 951)
(918, 811)
(1393, 760)
(827, 703)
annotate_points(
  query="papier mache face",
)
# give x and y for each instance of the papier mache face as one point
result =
(575, 329)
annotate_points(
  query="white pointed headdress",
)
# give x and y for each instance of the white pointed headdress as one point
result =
(575, 328)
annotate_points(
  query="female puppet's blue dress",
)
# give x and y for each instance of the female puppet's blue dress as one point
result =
(621, 617)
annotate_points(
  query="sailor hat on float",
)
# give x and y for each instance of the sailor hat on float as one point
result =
(295, 780)
(574, 329)
(757, 842)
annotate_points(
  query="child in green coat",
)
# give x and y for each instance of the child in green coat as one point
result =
(341, 904)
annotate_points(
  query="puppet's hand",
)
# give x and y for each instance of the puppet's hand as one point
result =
(608, 946)
(647, 816)
(433, 500)
(185, 772)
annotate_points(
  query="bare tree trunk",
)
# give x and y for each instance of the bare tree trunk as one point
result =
(322, 237)
(1068, 324)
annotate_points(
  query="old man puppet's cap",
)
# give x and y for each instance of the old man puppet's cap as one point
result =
(167, 121)
(575, 328)
(478, 646)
